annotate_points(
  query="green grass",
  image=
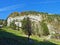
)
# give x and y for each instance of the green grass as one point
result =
(15, 37)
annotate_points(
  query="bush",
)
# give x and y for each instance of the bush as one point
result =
(13, 25)
(56, 36)
(45, 29)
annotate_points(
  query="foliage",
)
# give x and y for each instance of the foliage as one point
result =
(14, 14)
(26, 26)
(13, 25)
(5, 23)
(1, 21)
(56, 36)
(45, 29)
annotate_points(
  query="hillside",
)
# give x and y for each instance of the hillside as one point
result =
(41, 22)
(14, 37)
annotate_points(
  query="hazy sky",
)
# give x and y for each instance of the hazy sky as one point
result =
(9, 6)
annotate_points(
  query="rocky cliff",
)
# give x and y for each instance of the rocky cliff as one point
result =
(41, 22)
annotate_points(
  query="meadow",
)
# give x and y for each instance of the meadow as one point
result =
(15, 37)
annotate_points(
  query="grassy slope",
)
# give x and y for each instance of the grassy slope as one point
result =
(14, 37)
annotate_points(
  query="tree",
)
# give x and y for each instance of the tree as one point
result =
(5, 23)
(18, 26)
(13, 25)
(1, 21)
(26, 26)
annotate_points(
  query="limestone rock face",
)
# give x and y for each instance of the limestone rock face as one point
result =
(19, 19)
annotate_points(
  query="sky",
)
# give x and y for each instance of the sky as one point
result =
(9, 6)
